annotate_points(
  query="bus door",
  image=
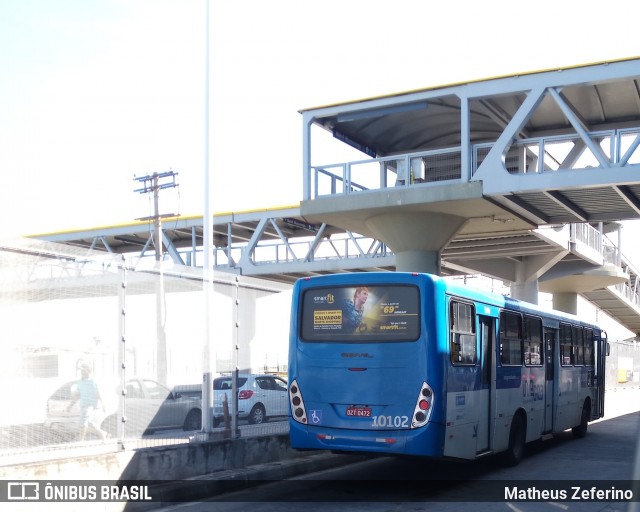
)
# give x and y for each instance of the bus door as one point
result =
(487, 361)
(550, 336)
(600, 354)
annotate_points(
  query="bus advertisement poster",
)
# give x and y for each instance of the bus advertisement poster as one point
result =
(370, 312)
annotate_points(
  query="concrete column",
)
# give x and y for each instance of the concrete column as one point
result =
(416, 238)
(243, 326)
(565, 286)
(525, 286)
(566, 301)
(418, 261)
(526, 290)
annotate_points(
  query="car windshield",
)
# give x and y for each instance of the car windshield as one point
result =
(226, 382)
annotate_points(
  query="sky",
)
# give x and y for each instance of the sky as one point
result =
(95, 93)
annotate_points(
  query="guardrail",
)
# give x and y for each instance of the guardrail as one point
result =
(341, 246)
(532, 155)
(379, 173)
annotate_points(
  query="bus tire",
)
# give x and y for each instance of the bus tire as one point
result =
(517, 439)
(579, 431)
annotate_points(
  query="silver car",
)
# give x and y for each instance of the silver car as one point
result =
(149, 406)
(260, 396)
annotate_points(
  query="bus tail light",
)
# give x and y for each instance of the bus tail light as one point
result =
(298, 411)
(424, 406)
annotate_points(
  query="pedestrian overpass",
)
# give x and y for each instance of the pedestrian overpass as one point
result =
(523, 178)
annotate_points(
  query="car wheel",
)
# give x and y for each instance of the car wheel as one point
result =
(110, 424)
(193, 421)
(257, 414)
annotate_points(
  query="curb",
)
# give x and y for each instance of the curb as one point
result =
(221, 482)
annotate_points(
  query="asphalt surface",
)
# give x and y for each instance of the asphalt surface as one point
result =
(613, 440)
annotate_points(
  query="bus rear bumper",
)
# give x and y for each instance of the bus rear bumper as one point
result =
(426, 441)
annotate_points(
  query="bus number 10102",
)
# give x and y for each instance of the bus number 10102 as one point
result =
(390, 421)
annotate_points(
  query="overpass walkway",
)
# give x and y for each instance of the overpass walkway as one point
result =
(280, 246)
(523, 178)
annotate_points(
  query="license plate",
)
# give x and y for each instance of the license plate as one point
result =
(360, 412)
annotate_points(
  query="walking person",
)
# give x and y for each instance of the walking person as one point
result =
(85, 391)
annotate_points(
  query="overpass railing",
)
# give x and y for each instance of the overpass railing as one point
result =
(532, 155)
(592, 238)
(379, 173)
(339, 246)
(630, 290)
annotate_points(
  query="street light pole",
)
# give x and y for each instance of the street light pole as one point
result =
(208, 358)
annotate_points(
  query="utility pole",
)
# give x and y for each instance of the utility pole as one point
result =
(153, 183)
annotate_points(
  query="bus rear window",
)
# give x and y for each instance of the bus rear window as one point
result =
(365, 314)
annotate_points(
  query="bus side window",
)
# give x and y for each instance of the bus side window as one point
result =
(566, 345)
(588, 347)
(532, 341)
(510, 339)
(462, 333)
(578, 345)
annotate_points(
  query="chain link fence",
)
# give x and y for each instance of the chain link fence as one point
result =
(623, 365)
(97, 352)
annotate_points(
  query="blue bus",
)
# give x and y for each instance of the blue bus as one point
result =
(407, 363)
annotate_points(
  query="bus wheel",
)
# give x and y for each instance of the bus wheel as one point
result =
(515, 452)
(581, 430)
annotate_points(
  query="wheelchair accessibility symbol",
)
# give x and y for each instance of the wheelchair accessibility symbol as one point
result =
(315, 416)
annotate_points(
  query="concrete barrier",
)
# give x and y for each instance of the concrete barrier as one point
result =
(175, 462)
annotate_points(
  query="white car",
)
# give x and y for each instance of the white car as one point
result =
(259, 397)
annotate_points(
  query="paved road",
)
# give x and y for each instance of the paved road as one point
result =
(399, 484)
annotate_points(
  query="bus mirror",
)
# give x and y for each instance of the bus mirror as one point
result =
(608, 348)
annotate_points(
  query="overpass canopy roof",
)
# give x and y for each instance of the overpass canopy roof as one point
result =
(602, 94)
